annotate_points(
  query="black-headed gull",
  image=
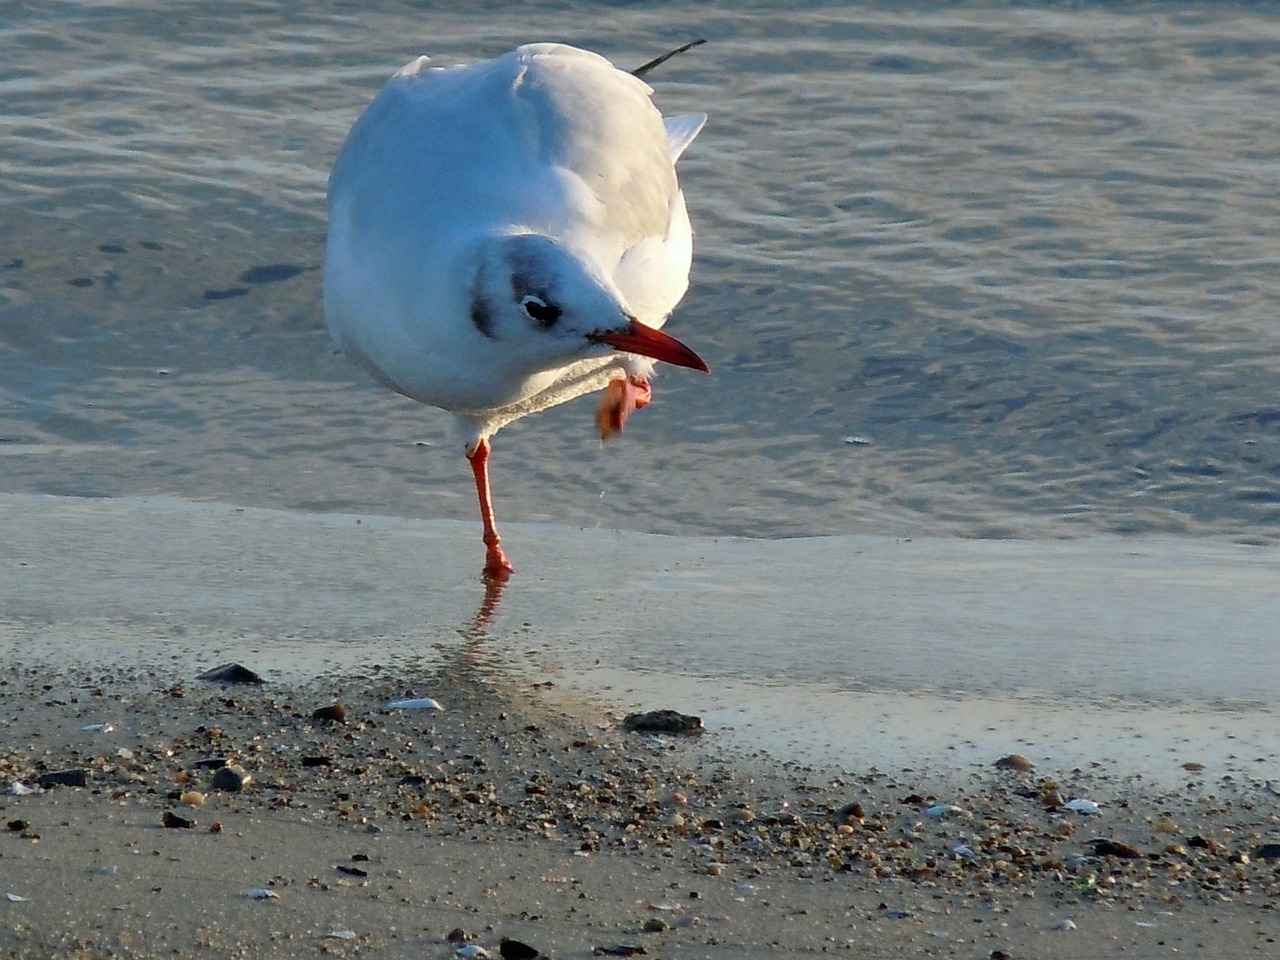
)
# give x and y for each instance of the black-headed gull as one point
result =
(509, 235)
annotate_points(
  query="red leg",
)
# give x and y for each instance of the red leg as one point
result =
(621, 399)
(496, 565)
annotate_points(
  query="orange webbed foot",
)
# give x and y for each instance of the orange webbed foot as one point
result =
(621, 399)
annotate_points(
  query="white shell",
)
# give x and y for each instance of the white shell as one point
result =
(16, 898)
(262, 893)
(1065, 924)
(19, 789)
(1081, 805)
(472, 951)
(415, 703)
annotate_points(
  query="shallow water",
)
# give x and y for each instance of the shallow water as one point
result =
(962, 269)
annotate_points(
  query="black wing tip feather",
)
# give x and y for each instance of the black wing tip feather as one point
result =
(644, 68)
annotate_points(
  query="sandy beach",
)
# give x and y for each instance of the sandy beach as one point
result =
(523, 809)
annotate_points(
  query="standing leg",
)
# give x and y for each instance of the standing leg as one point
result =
(496, 565)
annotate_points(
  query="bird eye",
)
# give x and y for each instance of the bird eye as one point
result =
(539, 311)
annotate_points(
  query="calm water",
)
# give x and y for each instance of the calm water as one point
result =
(963, 269)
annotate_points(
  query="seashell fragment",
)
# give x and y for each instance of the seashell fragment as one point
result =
(472, 951)
(415, 703)
(1083, 806)
(262, 893)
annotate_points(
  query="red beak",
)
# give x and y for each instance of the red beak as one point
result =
(648, 342)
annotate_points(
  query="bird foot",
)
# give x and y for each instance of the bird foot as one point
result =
(621, 399)
(497, 568)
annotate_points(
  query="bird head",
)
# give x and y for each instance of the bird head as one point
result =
(550, 306)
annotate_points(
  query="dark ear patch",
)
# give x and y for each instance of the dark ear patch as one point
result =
(482, 317)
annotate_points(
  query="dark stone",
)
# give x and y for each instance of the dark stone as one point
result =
(333, 713)
(270, 273)
(515, 950)
(662, 721)
(1103, 847)
(230, 779)
(231, 673)
(75, 777)
(225, 294)
(175, 822)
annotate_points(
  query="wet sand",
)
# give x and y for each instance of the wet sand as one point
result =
(523, 809)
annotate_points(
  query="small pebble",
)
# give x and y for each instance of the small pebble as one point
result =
(230, 779)
(333, 713)
(516, 950)
(231, 673)
(656, 925)
(1014, 761)
(75, 777)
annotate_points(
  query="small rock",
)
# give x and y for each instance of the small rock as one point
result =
(1103, 847)
(458, 935)
(75, 777)
(618, 950)
(230, 779)
(175, 822)
(192, 798)
(1015, 761)
(1066, 923)
(663, 721)
(1268, 851)
(231, 673)
(334, 713)
(515, 950)
(656, 925)
(851, 813)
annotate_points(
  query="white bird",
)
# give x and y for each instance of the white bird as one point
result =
(508, 235)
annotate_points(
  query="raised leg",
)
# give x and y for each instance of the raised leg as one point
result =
(621, 399)
(496, 565)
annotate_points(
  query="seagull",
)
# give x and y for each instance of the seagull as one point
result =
(507, 235)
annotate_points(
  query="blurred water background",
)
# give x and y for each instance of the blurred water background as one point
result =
(982, 270)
